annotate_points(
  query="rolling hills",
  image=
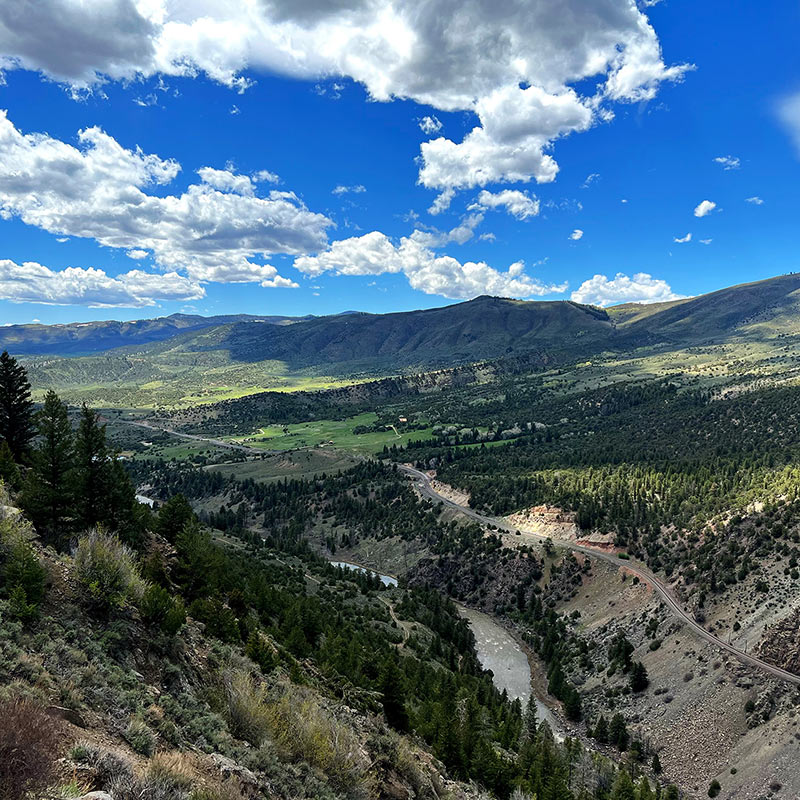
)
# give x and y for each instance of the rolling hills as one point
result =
(185, 360)
(80, 338)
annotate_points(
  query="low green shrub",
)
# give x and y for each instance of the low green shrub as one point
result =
(159, 609)
(107, 572)
(140, 737)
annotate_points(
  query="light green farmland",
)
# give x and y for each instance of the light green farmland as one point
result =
(331, 433)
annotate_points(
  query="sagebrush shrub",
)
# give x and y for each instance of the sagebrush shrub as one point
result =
(107, 572)
(30, 743)
(140, 737)
(246, 706)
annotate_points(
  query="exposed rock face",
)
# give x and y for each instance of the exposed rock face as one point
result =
(230, 770)
(781, 643)
(546, 521)
(489, 583)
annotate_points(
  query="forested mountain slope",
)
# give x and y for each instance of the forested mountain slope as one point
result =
(185, 360)
(80, 338)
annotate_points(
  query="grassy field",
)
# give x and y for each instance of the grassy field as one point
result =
(331, 433)
(166, 380)
(297, 464)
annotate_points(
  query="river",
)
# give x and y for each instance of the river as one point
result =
(386, 580)
(500, 652)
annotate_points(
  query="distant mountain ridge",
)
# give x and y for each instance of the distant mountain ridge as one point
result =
(81, 338)
(243, 351)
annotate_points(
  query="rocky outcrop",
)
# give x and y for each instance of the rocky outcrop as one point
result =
(781, 643)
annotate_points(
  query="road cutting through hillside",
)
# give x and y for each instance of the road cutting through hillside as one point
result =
(423, 482)
(240, 448)
(426, 489)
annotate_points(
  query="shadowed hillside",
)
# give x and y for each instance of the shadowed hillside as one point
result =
(80, 338)
(184, 360)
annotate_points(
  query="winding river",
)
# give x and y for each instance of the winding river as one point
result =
(499, 652)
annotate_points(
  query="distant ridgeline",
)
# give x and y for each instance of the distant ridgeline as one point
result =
(180, 361)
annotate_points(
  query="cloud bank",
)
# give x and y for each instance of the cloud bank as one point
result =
(641, 288)
(33, 283)
(515, 69)
(375, 254)
(214, 231)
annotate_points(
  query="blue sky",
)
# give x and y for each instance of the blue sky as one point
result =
(666, 106)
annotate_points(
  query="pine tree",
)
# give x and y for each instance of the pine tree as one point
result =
(644, 792)
(623, 787)
(390, 684)
(91, 482)
(446, 741)
(529, 720)
(259, 651)
(122, 509)
(618, 732)
(9, 471)
(46, 495)
(102, 489)
(639, 678)
(572, 703)
(601, 730)
(16, 406)
(173, 517)
(656, 764)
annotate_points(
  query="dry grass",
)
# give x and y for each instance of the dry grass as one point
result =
(295, 720)
(174, 769)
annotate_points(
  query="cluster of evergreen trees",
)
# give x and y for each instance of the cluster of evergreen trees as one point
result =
(433, 685)
(69, 479)
(641, 460)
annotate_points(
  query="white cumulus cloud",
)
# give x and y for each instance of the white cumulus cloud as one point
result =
(755, 200)
(683, 239)
(442, 201)
(213, 231)
(576, 234)
(641, 288)
(357, 189)
(265, 176)
(33, 283)
(375, 254)
(518, 204)
(430, 125)
(728, 162)
(704, 207)
(513, 68)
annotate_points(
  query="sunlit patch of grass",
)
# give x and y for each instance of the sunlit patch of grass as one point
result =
(332, 433)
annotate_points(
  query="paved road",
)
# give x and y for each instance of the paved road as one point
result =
(423, 482)
(242, 448)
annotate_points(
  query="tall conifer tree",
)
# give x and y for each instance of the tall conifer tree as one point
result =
(16, 406)
(91, 475)
(47, 494)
